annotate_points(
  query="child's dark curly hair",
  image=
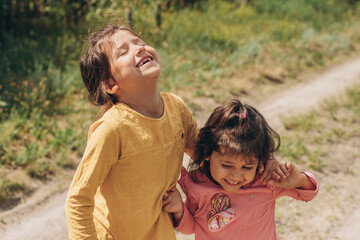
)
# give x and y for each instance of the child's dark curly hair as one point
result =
(235, 129)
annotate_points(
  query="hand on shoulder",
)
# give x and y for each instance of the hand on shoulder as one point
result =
(293, 179)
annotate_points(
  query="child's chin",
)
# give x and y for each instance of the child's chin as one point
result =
(232, 189)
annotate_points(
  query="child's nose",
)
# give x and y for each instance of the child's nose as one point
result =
(236, 175)
(139, 50)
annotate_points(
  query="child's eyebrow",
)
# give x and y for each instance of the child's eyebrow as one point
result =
(226, 162)
(137, 39)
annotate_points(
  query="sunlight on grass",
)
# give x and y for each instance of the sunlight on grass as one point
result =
(305, 135)
(303, 122)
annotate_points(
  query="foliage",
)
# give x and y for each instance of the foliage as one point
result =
(7, 188)
(290, 31)
(28, 142)
(206, 48)
(247, 36)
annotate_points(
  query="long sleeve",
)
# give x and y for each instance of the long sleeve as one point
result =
(191, 129)
(187, 223)
(101, 152)
(300, 194)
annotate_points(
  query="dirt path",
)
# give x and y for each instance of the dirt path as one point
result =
(334, 214)
(308, 94)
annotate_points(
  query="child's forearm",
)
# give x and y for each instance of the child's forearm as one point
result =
(304, 182)
(79, 218)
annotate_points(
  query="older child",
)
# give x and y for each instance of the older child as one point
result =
(134, 152)
(225, 198)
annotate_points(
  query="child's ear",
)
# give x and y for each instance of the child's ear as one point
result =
(111, 87)
(203, 161)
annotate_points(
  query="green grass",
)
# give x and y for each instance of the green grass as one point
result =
(306, 135)
(262, 35)
(8, 188)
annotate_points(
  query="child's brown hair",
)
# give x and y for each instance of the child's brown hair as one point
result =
(95, 65)
(235, 129)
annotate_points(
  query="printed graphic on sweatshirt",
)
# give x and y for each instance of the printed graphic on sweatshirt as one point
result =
(221, 213)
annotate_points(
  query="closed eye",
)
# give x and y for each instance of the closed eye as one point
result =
(247, 168)
(225, 166)
(121, 52)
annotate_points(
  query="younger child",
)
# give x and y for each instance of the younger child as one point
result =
(224, 196)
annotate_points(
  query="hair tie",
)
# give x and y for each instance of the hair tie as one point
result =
(242, 115)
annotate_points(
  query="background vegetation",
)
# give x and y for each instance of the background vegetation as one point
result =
(209, 49)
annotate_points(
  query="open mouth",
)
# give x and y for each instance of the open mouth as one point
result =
(231, 182)
(144, 60)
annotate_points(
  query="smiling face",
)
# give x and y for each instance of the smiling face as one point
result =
(135, 66)
(232, 172)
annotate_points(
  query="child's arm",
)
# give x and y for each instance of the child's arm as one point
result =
(102, 151)
(182, 214)
(190, 126)
(295, 179)
(172, 203)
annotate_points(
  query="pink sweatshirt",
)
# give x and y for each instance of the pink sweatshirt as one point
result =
(212, 213)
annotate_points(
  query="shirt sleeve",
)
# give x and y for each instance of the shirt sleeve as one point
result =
(101, 153)
(300, 194)
(187, 223)
(192, 129)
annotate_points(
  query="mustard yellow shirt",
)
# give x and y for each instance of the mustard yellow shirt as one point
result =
(130, 161)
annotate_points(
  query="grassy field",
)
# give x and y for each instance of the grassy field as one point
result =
(306, 135)
(213, 50)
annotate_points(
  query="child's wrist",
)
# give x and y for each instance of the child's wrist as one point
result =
(180, 213)
(178, 216)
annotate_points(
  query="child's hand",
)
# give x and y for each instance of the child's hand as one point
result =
(172, 203)
(295, 178)
(274, 170)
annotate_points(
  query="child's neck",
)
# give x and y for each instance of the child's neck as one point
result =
(150, 105)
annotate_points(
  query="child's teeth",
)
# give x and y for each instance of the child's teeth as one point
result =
(145, 61)
(233, 183)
